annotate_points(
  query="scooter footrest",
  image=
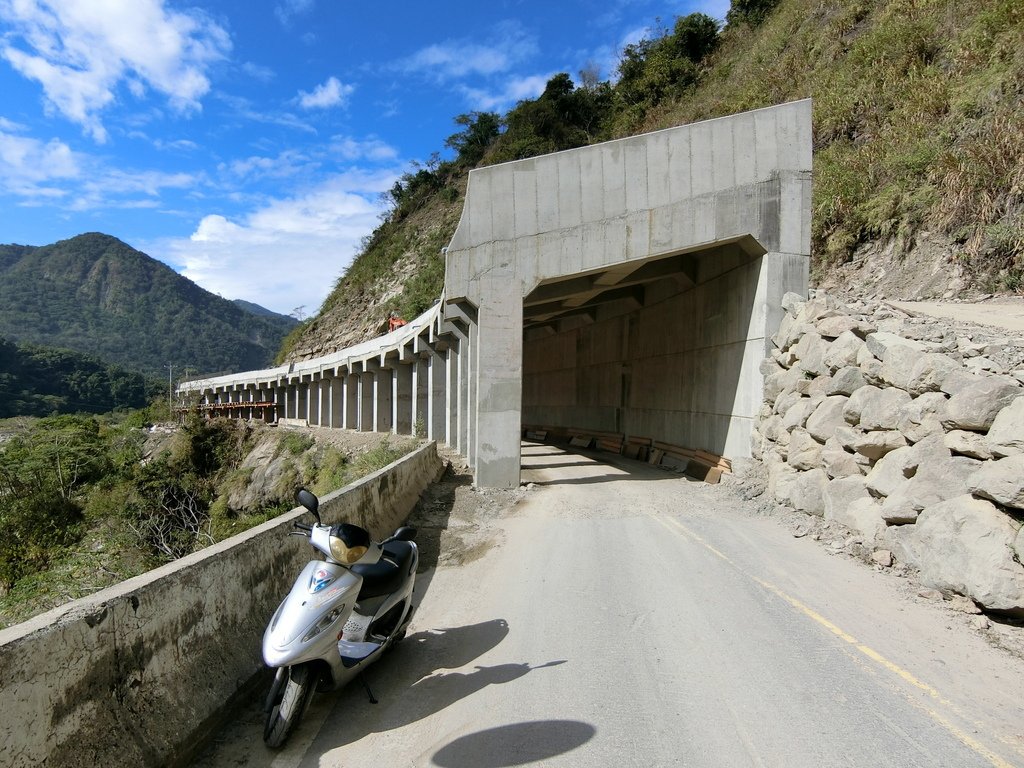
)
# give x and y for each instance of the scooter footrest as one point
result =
(354, 653)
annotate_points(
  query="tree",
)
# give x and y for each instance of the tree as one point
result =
(480, 129)
(751, 12)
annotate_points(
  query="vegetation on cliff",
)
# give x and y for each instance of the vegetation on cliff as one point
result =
(917, 111)
(39, 381)
(88, 501)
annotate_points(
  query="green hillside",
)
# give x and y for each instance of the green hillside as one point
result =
(96, 295)
(39, 381)
(918, 108)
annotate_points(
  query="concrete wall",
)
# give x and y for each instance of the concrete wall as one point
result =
(135, 675)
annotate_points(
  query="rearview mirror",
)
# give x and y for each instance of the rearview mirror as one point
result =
(309, 501)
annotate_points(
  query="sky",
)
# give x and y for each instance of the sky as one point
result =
(249, 144)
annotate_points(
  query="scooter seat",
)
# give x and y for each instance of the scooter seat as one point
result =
(386, 574)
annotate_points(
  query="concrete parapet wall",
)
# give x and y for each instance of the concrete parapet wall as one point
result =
(136, 674)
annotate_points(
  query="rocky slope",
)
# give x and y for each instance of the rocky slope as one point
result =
(907, 430)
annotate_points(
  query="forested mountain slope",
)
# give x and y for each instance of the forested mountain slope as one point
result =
(919, 151)
(96, 295)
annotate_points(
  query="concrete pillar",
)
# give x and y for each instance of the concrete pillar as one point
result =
(383, 400)
(337, 399)
(435, 413)
(452, 369)
(312, 402)
(402, 399)
(497, 388)
(350, 394)
(420, 396)
(365, 399)
(325, 401)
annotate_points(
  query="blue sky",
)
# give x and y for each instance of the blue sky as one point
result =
(247, 143)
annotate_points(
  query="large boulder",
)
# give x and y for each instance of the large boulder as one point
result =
(975, 407)
(873, 408)
(833, 327)
(810, 352)
(891, 471)
(796, 415)
(964, 443)
(872, 445)
(804, 451)
(966, 545)
(803, 491)
(827, 417)
(922, 416)
(929, 371)
(844, 351)
(1001, 480)
(898, 365)
(880, 342)
(845, 381)
(863, 515)
(937, 479)
(838, 462)
(1006, 435)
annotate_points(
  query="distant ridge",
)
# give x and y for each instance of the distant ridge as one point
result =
(99, 296)
(259, 311)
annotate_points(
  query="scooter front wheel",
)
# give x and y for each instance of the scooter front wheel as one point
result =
(286, 713)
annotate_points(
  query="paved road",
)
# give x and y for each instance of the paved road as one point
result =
(630, 617)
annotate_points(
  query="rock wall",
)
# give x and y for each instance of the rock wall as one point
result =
(908, 430)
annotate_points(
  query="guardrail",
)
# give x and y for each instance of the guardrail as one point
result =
(140, 673)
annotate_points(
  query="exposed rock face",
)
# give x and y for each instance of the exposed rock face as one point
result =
(910, 431)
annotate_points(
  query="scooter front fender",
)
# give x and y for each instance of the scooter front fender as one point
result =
(306, 625)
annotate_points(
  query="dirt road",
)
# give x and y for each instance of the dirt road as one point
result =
(626, 616)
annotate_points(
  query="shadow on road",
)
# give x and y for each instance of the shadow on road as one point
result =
(516, 744)
(414, 681)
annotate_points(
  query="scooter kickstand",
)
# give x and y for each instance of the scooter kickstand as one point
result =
(366, 687)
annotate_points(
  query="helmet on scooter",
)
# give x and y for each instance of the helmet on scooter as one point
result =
(349, 543)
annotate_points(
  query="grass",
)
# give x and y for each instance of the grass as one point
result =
(917, 115)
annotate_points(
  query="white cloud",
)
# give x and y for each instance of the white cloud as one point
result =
(80, 51)
(369, 149)
(30, 167)
(290, 251)
(332, 93)
(289, 8)
(512, 91)
(455, 59)
(258, 72)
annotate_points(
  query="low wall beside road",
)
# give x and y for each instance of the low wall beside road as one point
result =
(136, 674)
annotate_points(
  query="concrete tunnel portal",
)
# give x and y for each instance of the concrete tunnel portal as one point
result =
(629, 287)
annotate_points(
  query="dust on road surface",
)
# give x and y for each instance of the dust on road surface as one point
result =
(618, 614)
(1006, 312)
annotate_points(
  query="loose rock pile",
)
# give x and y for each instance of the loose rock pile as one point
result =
(910, 431)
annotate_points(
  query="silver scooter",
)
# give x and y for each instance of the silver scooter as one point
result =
(342, 613)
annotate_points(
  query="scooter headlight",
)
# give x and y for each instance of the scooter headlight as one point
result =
(323, 624)
(349, 543)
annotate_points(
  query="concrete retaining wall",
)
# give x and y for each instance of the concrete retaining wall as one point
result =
(137, 674)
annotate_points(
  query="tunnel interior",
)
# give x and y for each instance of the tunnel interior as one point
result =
(655, 348)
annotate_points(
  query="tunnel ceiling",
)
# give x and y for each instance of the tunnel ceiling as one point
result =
(581, 294)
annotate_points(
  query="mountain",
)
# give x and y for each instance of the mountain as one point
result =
(918, 186)
(256, 309)
(38, 381)
(96, 295)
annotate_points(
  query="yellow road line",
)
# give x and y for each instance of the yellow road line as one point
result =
(875, 656)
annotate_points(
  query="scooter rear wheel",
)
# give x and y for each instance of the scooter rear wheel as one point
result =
(286, 713)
